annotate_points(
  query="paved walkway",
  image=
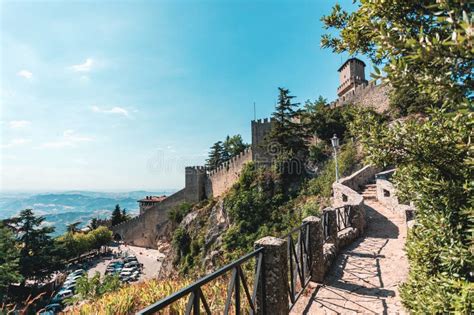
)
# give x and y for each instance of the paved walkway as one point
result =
(364, 278)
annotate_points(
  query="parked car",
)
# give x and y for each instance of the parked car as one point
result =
(51, 309)
(73, 278)
(132, 263)
(77, 272)
(71, 286)
(125, 278)
(130, 258)
(129, 269)
(135, 275)
(61, 295)
(70, 282)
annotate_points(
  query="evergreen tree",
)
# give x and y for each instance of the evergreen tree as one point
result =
(39, 256)
(117, 216)
(125, 215)
(93, 224)
(286, 139)
(215, 155)
(73, 227)
(9, 260)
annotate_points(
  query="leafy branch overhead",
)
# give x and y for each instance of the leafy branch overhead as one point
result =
(423, 45)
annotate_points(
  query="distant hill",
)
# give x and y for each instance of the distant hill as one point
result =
(61, 209)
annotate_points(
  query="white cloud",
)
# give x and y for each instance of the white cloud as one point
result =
(25, 74)
(83, 67)
(18, 124)
(113, 110)
(15, 142)
(69, 139)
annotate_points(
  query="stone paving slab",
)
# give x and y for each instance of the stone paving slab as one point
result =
(365, 277)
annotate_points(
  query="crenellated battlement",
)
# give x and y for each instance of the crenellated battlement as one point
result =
(262, 121)
(236, 160)
(367, 95)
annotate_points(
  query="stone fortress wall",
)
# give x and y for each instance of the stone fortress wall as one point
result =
(224, 176)
(371, 95)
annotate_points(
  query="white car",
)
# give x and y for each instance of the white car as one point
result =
(131, 264)
(78, 272)
(63, 294)
(70, 287)
(69, 283)
(129, 269)
(73, 277)
(125, 274)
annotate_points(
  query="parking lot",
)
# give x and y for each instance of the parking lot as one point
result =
(150, 259)
(132, 264)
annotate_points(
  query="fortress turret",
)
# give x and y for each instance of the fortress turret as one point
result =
(351, 75)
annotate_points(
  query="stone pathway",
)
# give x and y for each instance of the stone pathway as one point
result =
(364, 278)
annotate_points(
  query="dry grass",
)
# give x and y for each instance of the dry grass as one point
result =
(129, 299)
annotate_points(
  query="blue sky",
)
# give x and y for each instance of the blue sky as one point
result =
(108, 95)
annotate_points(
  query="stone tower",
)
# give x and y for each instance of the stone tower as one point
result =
(351, 75)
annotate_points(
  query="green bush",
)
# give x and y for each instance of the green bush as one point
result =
(177, 213)
(181, 242)
(321, 185)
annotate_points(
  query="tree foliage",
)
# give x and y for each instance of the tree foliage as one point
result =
(119, 215)
(39, 256)
(233, 146)
(9, 260)
(93, 288)
(286, 134)
(221, 152)
(423, 46)
(426, 48)
(216, 155)
(75, 244)
(178, 212)
(323, 121)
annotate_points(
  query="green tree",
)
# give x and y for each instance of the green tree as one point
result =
(93, 288)
(39, 256)
(216, 155)
(425, 47)
(125, 215)
(287, 138)
(73, 227)
(9, 260)
(117, 216)
(324, 122)
(93, 224)
(233, 146)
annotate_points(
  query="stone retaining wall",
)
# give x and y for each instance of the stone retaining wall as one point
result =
(387, 196)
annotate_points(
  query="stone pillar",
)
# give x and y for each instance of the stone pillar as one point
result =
(358, 218)
(316, 248)
(273, 287)
(331, 215)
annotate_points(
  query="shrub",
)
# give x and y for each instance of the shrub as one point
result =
(181, 242)
(322, 184)
(177, 213)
